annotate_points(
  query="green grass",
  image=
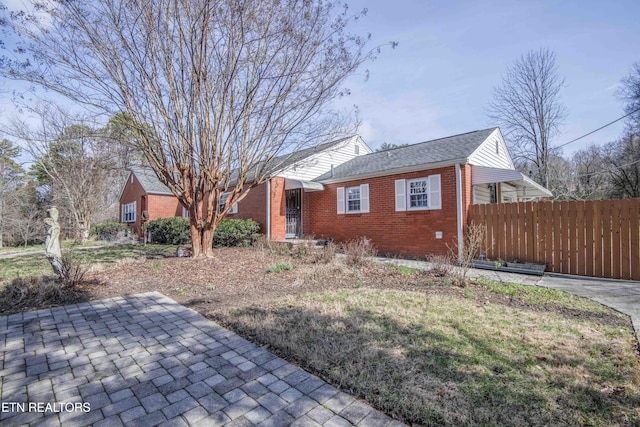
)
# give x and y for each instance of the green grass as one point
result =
(37, 264)
(439, 359)
(404, 270)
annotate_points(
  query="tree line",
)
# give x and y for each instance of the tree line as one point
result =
(75, 166)
(528, 109)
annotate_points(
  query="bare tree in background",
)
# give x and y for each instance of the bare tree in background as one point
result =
(630, 94)
(219, 91)
(527, 107)
(74, 162)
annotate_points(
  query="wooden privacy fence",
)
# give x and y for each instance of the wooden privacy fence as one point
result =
(599, 238)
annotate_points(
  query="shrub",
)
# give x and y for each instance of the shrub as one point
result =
(170, 231)
(326, 255)
(281, 266)
(441, 265)
(358, 251)
(107, 230)
(236, 232)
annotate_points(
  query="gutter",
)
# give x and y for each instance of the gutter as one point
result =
(268, 210)
(459, 208)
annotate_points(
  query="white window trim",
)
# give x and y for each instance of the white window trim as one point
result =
(434, 194)
(343, 204)
(223, 199)
(129, 209)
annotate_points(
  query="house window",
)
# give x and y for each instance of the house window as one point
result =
(129, 212)
(418, 194)
(493, 193)
(223, 200)
(185, 212)
(356, 149)
(353, 199)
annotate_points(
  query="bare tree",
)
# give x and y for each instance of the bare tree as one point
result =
(630, 94)
(219, 91)
(527, 107)
(10, 175)
(622, 160)
(591, 180)
(74, 162)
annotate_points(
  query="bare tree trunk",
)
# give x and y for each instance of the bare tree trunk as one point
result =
(201, 241)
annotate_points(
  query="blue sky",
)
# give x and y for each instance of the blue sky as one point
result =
(451, 54)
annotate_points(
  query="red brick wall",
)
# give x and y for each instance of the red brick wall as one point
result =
(158, 206)
(254, 206)
(278, 209)
(409, 233)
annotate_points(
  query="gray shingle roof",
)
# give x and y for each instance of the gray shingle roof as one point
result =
(441, 150)
(150, 181)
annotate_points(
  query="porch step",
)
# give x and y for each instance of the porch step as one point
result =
(315, 243)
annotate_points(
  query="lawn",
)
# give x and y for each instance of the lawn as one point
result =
(37, 264)
(414, 346)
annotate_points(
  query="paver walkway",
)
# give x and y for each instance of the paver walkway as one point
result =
(146, 360)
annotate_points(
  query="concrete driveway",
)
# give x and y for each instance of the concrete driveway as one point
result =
(146, 360)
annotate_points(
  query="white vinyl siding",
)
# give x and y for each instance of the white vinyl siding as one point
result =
(223, 199)
(353, 199)
(418, 194)
(320, 163)
(492, 153)
(129, 212)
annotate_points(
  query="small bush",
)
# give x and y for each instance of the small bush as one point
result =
(441, 265)
(358, 251)
(72, 271)
(107, 230)
(281, 266)
(326, 255)
(236, 232)
(170, 231)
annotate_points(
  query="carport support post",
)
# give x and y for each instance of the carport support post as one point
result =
(268, 210)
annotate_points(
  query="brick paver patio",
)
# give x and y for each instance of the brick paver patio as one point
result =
(146, 360)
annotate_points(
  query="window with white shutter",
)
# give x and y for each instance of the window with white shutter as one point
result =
(353, 199)
(418, 194)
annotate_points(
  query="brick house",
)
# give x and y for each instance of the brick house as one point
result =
(410, 201)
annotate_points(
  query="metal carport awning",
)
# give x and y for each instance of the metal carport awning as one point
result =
(292, 184)
(486, 175)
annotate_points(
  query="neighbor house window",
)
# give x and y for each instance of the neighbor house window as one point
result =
(418, 193)
(353, 199)
(223, 200)
(129, 212)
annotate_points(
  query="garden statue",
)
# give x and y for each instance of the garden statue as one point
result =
(52, 241)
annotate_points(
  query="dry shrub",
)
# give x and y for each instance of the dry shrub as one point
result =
(326, 255)
(358, 251)
(265, 245)
(441, 265)
(72, 271)
(304, 249)
(472, 245)
(34, 291)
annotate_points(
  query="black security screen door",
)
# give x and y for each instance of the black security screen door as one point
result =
(294, 213)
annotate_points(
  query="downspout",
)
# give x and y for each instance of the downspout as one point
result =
(268, 219)
(459, 211)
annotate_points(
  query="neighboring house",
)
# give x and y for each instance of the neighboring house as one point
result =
(411, 200)
(144, 196)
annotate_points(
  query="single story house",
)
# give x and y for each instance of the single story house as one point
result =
(411, 201)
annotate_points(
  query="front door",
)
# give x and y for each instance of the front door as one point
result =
(293, 213)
